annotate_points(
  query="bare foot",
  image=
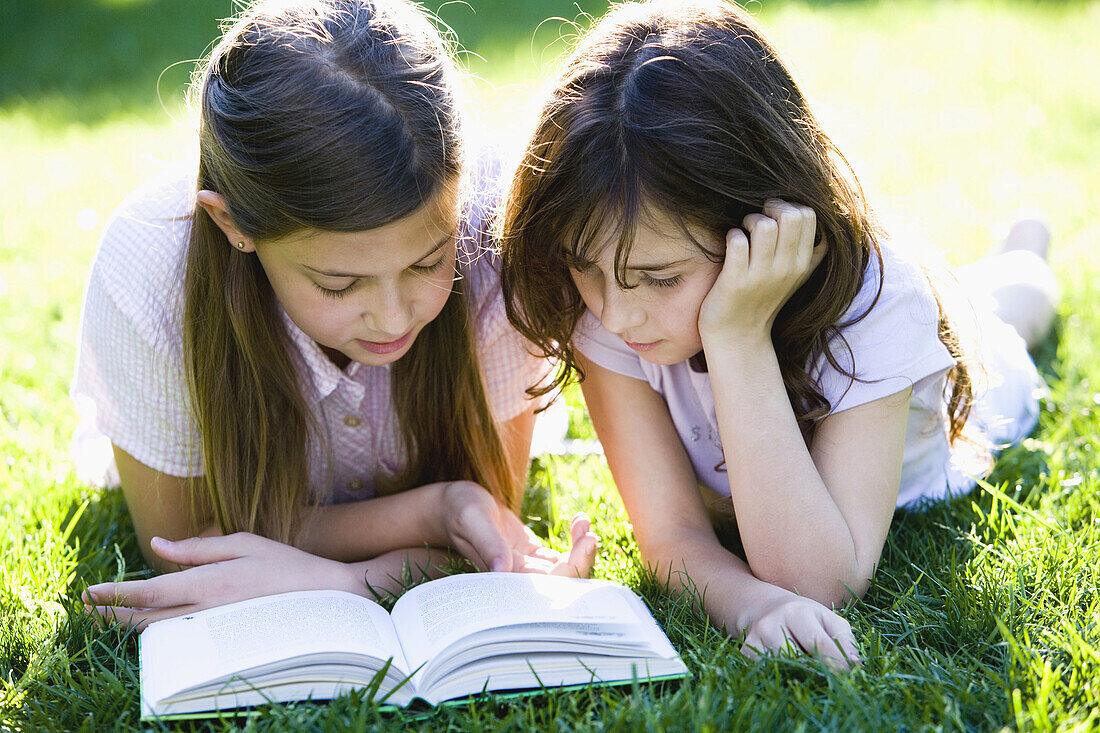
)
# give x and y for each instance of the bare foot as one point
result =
(1030, 235)
(1022, 284)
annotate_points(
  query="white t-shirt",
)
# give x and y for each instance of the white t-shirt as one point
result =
(129, 383)
(896, 345)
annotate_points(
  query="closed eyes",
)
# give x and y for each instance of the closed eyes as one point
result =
(667, 282)
(354, 284)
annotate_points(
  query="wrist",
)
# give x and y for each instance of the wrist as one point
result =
(365, 578)
(742, 350)
(756, 601)
(735, 338)
(436, 506)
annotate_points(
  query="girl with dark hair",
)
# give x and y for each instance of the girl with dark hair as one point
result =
(769, 376)
(306, 340)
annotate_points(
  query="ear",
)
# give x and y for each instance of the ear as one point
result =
(215, 206)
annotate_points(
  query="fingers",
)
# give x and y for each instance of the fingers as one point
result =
(205, 550)
(844, 641)
(797, 223)
(818, 254)
(785, 233)
(815, 638)
(480, 538)
(763, 237)
(136, 603)
(766, 638)
(582, 551)
(577, 563)
(804, 626)
(176, 589)
(160, 592)
(484, 556)
(134, 618)
(754, 646)
(737, 251)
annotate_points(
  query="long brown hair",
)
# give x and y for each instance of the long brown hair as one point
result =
(686, 108)
(333, 115)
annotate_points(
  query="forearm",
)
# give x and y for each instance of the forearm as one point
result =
(793, 533)
(730, 594)
(359, 530)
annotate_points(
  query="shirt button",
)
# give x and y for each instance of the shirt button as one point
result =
(355, 485)
(352, 421)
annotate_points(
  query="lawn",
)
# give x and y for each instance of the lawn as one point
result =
(985, 612)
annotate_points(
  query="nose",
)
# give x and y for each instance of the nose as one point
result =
(620, 310)
(388, 312)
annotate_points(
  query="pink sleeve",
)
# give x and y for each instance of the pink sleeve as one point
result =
(135, 391)
(129, 383)
(507, 365)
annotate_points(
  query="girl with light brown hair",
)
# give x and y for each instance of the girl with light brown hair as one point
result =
(304, 340)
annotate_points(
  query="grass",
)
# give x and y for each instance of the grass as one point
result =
(984, 613)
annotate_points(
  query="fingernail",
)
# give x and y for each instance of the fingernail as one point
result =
(498, 565)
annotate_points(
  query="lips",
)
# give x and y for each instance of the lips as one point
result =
(386, 347)
(642, 346)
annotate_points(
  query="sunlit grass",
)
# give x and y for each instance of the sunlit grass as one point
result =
(985, 611)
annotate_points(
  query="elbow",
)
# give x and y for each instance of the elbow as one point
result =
(844, 591)
(833, 585)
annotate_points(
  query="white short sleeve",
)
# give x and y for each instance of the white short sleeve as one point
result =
(894, 346)
(129, 382)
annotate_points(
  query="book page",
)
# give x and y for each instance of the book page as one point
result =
(432, 616)
(183, 652)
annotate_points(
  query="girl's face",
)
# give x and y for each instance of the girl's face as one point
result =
(366, 295)
(659, 318)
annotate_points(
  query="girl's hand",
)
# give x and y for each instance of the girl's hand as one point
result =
(761, 272)
(789, 621)
(488, 534)
(225, 570)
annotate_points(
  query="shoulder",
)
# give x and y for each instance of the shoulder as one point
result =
(139, 263)
(898, 279)
(888, 337)
(896, 293)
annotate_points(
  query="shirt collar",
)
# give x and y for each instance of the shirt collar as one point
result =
(315, 367)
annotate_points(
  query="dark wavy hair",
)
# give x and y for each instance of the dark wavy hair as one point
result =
(687, 109)
(333, 115)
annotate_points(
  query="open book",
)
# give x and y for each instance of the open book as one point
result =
(445, 639)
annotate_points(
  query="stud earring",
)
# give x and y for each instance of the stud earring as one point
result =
(240, 245)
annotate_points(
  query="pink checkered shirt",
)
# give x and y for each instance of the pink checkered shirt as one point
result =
(129, 384)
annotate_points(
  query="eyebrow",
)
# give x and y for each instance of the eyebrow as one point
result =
(658, 268)
(573, 260)
(435, 248)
